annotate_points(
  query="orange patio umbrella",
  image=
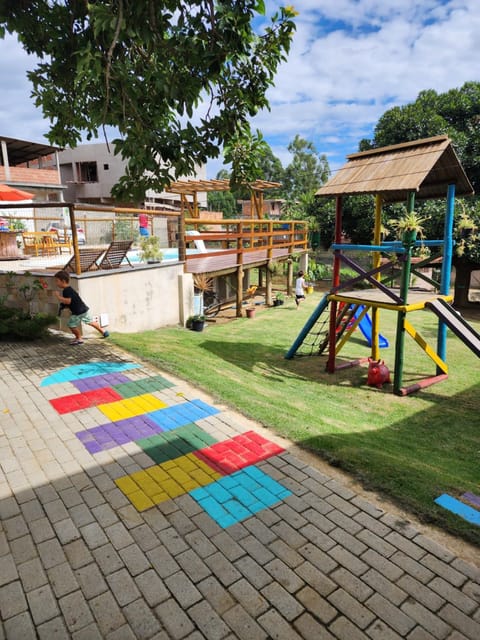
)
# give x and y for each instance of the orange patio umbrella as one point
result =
(9, 194)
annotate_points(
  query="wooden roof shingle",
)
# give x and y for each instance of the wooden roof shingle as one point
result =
(424, 166)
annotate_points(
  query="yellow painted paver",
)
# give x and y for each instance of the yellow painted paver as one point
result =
(166, 481)
(130, 407)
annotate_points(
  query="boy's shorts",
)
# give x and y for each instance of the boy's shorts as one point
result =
(76, 321)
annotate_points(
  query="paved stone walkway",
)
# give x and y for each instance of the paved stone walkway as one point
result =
(133, 506)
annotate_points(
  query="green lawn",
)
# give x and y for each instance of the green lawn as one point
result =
(410, 449)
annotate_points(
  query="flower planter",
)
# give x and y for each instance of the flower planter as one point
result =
(198, 325)
(277, 303)
(250, 313)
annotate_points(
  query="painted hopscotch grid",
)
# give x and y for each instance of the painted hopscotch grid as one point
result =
(220, 476)
(228, 494)
(139, 426)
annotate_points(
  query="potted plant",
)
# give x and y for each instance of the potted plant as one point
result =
(465, 226)
(196, 322)
(150, 249)
(279, 299)
(408, 227)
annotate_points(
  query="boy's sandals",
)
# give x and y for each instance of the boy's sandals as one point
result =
(75, 342)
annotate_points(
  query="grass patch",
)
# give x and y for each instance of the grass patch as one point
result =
(409, 449)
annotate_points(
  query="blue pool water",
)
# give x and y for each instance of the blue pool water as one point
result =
(169, 254)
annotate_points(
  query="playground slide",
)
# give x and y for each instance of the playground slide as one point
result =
(322, 305)
(456, 323)
(365, 327)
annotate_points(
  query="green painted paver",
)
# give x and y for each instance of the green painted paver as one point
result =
(146, 385)
(178, 442)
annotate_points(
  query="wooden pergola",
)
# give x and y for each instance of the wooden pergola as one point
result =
(191, 188)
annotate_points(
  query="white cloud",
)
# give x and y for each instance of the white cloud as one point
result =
(350, 61)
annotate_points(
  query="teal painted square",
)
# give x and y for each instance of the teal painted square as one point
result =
(234, 498)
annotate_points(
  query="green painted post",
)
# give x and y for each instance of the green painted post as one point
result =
(404, 286)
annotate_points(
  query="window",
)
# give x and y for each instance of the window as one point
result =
(87, 172)
(106, 167)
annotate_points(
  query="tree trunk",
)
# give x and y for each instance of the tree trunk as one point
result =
(463, 276)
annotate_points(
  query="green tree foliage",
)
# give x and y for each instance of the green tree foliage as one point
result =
(307, 171)
(455, 113)
(144, 67)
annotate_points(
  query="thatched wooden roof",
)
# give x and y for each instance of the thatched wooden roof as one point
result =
(424, 166)
(194, 186)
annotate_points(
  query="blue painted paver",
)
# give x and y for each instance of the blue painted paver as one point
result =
(241, 503)
(459, 508)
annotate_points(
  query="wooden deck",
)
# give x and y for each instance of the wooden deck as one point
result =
(224, 262)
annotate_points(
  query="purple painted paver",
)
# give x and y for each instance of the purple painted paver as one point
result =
(114, 434)
(97, 382)
(472, 498)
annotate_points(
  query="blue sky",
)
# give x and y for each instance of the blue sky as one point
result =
(350, 61)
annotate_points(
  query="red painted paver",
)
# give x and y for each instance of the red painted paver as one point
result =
(77, 401)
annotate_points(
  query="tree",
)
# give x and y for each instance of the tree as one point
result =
(145, 68)
(455, 113)
(307, 171)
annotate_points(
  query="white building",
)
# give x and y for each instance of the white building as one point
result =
(91, 170)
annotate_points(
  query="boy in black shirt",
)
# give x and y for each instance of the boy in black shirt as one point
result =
(70, 299)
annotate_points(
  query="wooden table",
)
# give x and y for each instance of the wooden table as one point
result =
(8, 246)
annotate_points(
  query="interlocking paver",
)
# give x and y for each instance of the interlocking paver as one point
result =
(301, 555)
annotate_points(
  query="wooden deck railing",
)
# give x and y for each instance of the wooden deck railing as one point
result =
(237, 237)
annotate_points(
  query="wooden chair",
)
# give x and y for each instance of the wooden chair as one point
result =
(32, 243)
(89, 257)
(40, 243)
(115, 254)
(51, 245)
(63, 243)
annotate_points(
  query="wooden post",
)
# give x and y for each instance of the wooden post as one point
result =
(73, 227)
(400, 336)
(268, 285)
(182, 251)
(239, 294)
(289, 277)
(332, 333)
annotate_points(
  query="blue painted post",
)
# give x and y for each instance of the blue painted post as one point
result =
(446, 269)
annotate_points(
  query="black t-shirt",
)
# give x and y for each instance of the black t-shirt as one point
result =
(77, 305)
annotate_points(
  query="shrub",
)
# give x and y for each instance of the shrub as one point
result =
(15, 323)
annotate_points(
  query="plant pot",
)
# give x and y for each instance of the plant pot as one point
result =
(277, 303)
(309, 289)
(250, 313)
(197, 325)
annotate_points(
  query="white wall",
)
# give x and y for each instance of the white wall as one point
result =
(138, 299)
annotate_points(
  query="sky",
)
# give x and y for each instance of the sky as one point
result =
(350, 61)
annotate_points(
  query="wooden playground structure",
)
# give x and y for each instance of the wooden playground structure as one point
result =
(422, 169)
